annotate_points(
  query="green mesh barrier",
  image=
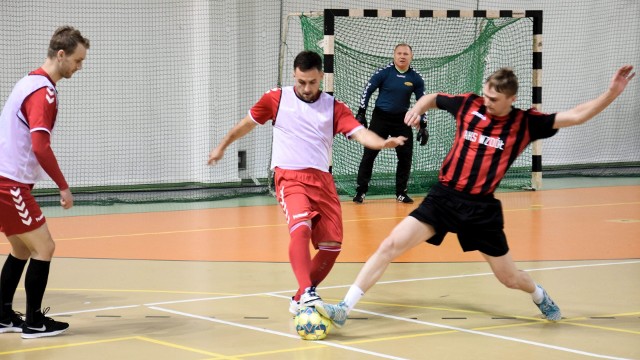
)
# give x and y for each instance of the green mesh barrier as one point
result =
(453, 55)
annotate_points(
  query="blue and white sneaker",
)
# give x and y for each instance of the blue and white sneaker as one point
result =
(549, 309)
(336, 313)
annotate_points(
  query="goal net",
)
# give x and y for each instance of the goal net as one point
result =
(454, 54)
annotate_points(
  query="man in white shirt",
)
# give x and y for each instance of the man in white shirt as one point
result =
(305, 120)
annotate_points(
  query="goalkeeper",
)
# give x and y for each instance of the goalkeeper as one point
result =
(396, 82)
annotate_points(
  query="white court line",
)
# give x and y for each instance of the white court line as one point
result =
(490, 273)
(95, 310)
(151, 305)
(273, 332)
(508, 338)
(274, 293)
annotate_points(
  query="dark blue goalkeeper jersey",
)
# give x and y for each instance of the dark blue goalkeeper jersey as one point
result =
(395, 89)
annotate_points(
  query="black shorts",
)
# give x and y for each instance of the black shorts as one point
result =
(477, 219)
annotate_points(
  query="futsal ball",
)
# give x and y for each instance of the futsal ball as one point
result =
(310, 325)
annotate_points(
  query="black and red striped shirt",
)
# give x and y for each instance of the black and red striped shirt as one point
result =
(485, 146)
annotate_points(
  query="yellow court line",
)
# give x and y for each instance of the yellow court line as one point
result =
(316, 345)
(535, 321)
(542, 207)
(52, 347)
(145, 291)
(181, 347)
(169, 232)
(607, 328)
(442, 332)
(539, 207)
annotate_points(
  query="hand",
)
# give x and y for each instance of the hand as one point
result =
(423, 132)
(215, 155)
(362, 117)
(394, 142)
(412, 118)
(621, 79)
(66, 199)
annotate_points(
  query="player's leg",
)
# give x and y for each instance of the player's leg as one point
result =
(42, 247)
(508, 274)
(404, 153)
(10, 321)
(327, 231)
(292, 196)
(19, 214)
(365, 170)
(406, 235)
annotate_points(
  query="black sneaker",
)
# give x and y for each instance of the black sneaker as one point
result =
(359, 198)
(45, 327)
(12, 324)
(404, 198)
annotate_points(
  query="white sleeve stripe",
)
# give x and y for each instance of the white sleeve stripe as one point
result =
(41, 129)
(251, 116)
(348, 135)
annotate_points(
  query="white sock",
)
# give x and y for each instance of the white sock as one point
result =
(353, 296)
(537, 295)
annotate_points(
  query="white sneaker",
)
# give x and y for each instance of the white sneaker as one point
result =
(310, 298)
(294, 306)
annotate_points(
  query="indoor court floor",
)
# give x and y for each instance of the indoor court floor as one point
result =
(212, 281)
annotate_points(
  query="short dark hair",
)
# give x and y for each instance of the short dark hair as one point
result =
(66, 38)
(402, 44)
(307, 60)
(503, 81)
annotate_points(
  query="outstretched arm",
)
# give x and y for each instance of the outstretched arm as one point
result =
(241, 129)
(371, 140)
(585, 111)
(413, 116)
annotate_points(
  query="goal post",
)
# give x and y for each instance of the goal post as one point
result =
(454, 50)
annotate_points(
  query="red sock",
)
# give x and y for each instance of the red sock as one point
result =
(323, 262)
(300, 257)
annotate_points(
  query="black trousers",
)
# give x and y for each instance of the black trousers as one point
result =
(386, 124)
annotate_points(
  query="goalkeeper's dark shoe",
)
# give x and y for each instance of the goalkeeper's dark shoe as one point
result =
(359, 198)
(404, 198)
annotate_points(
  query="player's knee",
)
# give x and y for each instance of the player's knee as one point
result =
(389, 249)
(509, 280)
(44, 250)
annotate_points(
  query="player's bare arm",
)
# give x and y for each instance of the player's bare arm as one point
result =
(371, 140)
(585, 111)
(412, 117)
(241, 129)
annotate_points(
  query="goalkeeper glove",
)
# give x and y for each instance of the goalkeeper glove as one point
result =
(423, 132)
(361, 117)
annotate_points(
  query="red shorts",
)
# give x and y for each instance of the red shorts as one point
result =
(19, 211)
(310, 194)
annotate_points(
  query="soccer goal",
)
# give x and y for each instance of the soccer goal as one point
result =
(454, 51)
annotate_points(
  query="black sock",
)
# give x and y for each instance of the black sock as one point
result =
(9, 280)
(35, 283)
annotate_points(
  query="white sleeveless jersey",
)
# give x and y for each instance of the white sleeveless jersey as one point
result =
(303, 132)
(17, 160)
